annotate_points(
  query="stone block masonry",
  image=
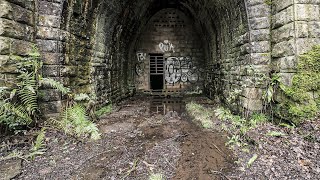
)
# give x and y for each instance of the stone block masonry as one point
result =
(98, 46)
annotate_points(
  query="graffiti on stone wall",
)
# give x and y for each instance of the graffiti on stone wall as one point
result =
(139, 68)
(166, 46)
(180, 69)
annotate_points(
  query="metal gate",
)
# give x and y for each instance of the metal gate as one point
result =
(156, 71)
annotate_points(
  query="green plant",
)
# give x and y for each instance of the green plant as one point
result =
(104, 110)
(38, 146)
(223, 113)
(268, 2)
(200, 114)
(234, 140)
(252, 160)
(300, 100)
(275, 134)
(74, 121)
(19, 99)
(292, 126)
(257, 119)
(157, 176)
(270, 92)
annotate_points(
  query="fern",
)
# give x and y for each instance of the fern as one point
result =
(38, 146)
(19, 106)
(82, 97)
(75, 121)
(55, 84)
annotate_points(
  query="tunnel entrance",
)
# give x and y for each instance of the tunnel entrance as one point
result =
(156, 71)
(177, 57)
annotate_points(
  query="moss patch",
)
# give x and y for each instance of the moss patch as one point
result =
(302, 98)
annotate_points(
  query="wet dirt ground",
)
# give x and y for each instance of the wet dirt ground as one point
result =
(140, 137)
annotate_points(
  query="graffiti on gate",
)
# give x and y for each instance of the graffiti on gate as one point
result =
(166, 46)
(180, 69)
(139, 68)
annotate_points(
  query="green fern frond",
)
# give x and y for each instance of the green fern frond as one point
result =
(19, 111)
(82, 97)
(55, 84)
(74, 120)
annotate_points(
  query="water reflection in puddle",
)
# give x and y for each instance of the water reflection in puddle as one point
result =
(169, 107)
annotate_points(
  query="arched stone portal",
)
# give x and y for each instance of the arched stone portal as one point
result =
(91, 45)
(170, 54)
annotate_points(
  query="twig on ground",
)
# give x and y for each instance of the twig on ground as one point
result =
(218, 172)
(134, 166)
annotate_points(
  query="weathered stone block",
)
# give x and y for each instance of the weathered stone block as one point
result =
(260, 58)
(4, 59)
(286, 78)
(260, 23)
(260, 47)
(282, 18)
(52, 58)
(68, 71)
(254, 2)
(260, 35)
(285, 64)
(52, 46)
(283, 33)
(279, 5)
(16, 30)
(50, 8)
(28, 4)
(50, 70)
(259, 10)
(49, 33)
(314, 29)
(282, 49)
(49, 21)
(49, 95)
(307, 12)
(253, 93)
(14, 46)
(252, 104)
(305, 44)
(51, 107)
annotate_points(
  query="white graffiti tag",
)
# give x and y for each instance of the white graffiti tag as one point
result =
(180, 69)
(173, 70)
(188, 70)
(140, 65)
(141, 56)
(166, 46)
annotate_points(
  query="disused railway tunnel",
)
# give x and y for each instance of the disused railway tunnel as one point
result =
(114, 49)
(168, 47)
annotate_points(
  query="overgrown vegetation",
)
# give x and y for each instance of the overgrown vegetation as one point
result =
(38, 147)
(239, 125)
(103, 110)
(74, 121)
(19, 100)
(301, 100)
(200, 114)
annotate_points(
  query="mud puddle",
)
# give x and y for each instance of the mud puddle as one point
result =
(142, 137)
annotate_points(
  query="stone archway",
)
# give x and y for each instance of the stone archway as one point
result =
(91, 45)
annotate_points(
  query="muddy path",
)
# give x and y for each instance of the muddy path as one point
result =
(141, 137)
